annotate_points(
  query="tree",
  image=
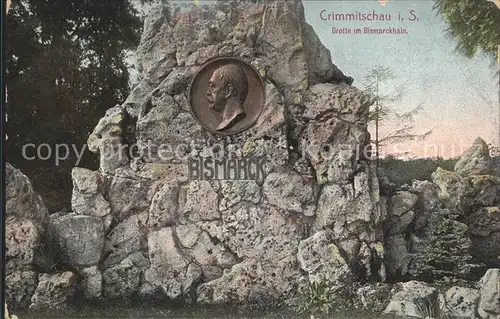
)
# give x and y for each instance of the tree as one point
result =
(65, 68)
(446, 252)
(475, 25)
(374, 83)
(374, 79)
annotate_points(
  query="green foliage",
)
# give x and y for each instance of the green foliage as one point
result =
(47, 255)
(65, 68)
(401, 172)
(446, 256)
(375, 81)
(378, 83)
(318, 298)
(474, 24)
(322, 297)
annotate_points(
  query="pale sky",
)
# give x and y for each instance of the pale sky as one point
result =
(460, 95)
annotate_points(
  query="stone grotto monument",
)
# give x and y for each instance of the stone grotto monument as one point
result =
(144, 226)
(165, 233)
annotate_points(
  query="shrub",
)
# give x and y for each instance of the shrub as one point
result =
(429, 308)
(318, 298)
(47, 255)
(401, 171)
(321, 297)
(446, 256)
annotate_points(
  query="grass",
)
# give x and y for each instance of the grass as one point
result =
(317, 299)
(430, 308)
(47, 255)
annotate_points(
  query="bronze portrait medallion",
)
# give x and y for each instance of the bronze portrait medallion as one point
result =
(227, 96)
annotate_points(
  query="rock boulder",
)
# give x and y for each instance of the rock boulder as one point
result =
(476, 160)
(141, 226)
(489, 302)
(26, 219)
(409, 296)
(54, 291)
(175, 237)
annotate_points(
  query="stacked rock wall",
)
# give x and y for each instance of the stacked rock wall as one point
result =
(469, 198)
(141, 227)
(160, 234)
(26, 220)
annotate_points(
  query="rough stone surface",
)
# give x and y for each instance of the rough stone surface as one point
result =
(489, 303)
(484, 228)
(234, 192)
(427, 195)
(333, 158)
(461, 302)
(87, 197)
(123, 280)
(141, 226)
(475, 161)
(106, 140)
(130, 195)
(164, 205)
(163, 234)
(22, 239)
(91, 284)
(402, 202)
(321, 259)
(169, 267)
(495, 165)
(289, 191)
(80, 238)
(20, 287)
(124, 239)
(374, 297)
(21, 200)
(54, 291)
(253, 281)
(403, 301)
(201, 202)
(450, 187)
(26, 219)
(259, 231)
(482, 190)
(398, 255)
(351, 210)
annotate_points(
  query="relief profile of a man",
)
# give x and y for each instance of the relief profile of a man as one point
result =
(226, 94)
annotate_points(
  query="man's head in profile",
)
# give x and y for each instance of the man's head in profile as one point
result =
(227, 92)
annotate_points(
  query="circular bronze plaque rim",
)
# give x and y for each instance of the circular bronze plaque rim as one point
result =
(202, 67)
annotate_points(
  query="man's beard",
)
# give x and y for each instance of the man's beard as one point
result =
(217, 106)
(211, 102)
